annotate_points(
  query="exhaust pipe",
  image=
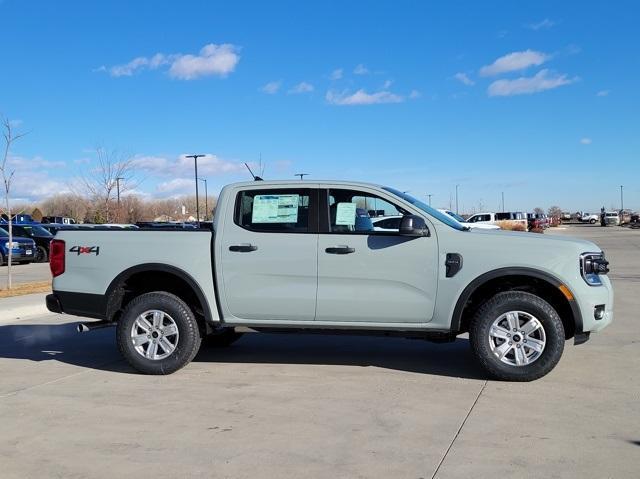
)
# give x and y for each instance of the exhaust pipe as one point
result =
(86, 327)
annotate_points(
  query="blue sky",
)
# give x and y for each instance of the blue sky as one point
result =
(536, 99)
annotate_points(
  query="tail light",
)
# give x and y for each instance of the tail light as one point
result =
(56, 257)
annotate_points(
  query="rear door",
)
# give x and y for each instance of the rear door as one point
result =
(269, 257)
(371, 276)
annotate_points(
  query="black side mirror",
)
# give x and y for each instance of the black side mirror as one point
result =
(412, 225)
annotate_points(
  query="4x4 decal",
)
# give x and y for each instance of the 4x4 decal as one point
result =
(85, 250)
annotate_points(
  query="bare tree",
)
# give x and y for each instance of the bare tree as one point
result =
(113, 173)
(555, 212)
(538, 211)
(7, 179)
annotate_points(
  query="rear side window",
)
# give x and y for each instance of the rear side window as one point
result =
(271, 210)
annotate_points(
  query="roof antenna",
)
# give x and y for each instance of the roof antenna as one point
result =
(255, 178)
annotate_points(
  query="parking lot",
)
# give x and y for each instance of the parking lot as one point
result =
(323, 406)
(27, 273)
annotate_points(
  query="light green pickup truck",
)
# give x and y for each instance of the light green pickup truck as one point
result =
(297, 256)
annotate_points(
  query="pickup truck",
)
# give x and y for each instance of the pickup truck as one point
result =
(287, 256)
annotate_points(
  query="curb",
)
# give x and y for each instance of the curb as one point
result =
(17, 308)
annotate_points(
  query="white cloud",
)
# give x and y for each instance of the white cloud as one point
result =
(360, 70)
(603, 93)
(212, 60)
(176, 185)
(361, 97)
(218, 60)
(302, 87)
(513, 62)
(585, 141)
(387, 84)
(272, 87)
(207, 165)
(463, 78)
(542, 25)
(336, 74)
(414, 94)
(541, 81)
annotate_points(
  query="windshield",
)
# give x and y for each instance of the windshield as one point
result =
(446, 219)
(455, 216)
(35, 230)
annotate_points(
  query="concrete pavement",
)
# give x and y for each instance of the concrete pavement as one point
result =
(323, 406)
(26, 273)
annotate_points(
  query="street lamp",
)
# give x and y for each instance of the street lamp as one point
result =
(429, 195)
(621, 199)
(301, 175)
(206, 198)
(118, 190)
(503, 201)
(457, 212)
(195, 161)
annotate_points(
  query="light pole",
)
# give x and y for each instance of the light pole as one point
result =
(429, 195)
(457, 212)
(503, 201)
(206, 198)
(621, 199)
(195, 161)
(118, 190)
(301, 175)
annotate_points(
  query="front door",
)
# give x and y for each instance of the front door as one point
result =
(269, 255)
(366, 275)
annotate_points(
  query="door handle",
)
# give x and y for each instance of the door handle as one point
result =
(243, 248)
(340, 250)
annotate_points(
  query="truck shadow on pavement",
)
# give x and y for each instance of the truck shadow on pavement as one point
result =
(97, 350)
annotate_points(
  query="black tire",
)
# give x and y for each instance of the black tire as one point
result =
(529, 303)
(222, 339)
(41, 255)
(1, 259)
(188, 342)
(592, 221)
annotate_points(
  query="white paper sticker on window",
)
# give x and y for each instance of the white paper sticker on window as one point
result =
(275, 209)
(346, 214)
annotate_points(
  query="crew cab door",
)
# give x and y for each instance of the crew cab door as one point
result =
(268, 255)
(371, 276)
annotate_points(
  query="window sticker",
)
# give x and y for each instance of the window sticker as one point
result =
(346, 214)
(275, 209)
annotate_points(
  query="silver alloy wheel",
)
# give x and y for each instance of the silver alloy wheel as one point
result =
(517, 338)
(154, 335)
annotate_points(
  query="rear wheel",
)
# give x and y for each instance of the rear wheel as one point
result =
(158, 333)
(592, 221)
(517, 336)
(41, 255)
(1, 259)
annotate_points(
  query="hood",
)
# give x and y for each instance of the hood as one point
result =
(17, 239)
(537, 240)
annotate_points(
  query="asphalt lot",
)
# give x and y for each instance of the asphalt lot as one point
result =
(26, 273)
(323, 406)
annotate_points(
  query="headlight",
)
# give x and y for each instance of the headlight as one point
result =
(13, 245)
(592, 265)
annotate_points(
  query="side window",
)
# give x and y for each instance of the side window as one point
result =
(274, 210)
(351, 211)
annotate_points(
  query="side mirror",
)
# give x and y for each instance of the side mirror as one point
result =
(412, 225)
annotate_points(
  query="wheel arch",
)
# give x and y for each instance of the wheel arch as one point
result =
(518, 278)
(148, 277)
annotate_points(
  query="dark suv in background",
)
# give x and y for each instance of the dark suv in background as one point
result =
(38, 234)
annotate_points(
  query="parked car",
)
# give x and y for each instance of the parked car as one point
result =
(566, 216)
(64, 220)
(386, 223)
(537, 221)
(38, 234)
(515, 217)
(463, 222)
(589, 218)
(53, 228)
(22, 249)
(611, 218)
(288, 257)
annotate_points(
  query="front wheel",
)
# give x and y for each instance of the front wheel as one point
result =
(158, 333)
(592, 221)
(517, 336)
